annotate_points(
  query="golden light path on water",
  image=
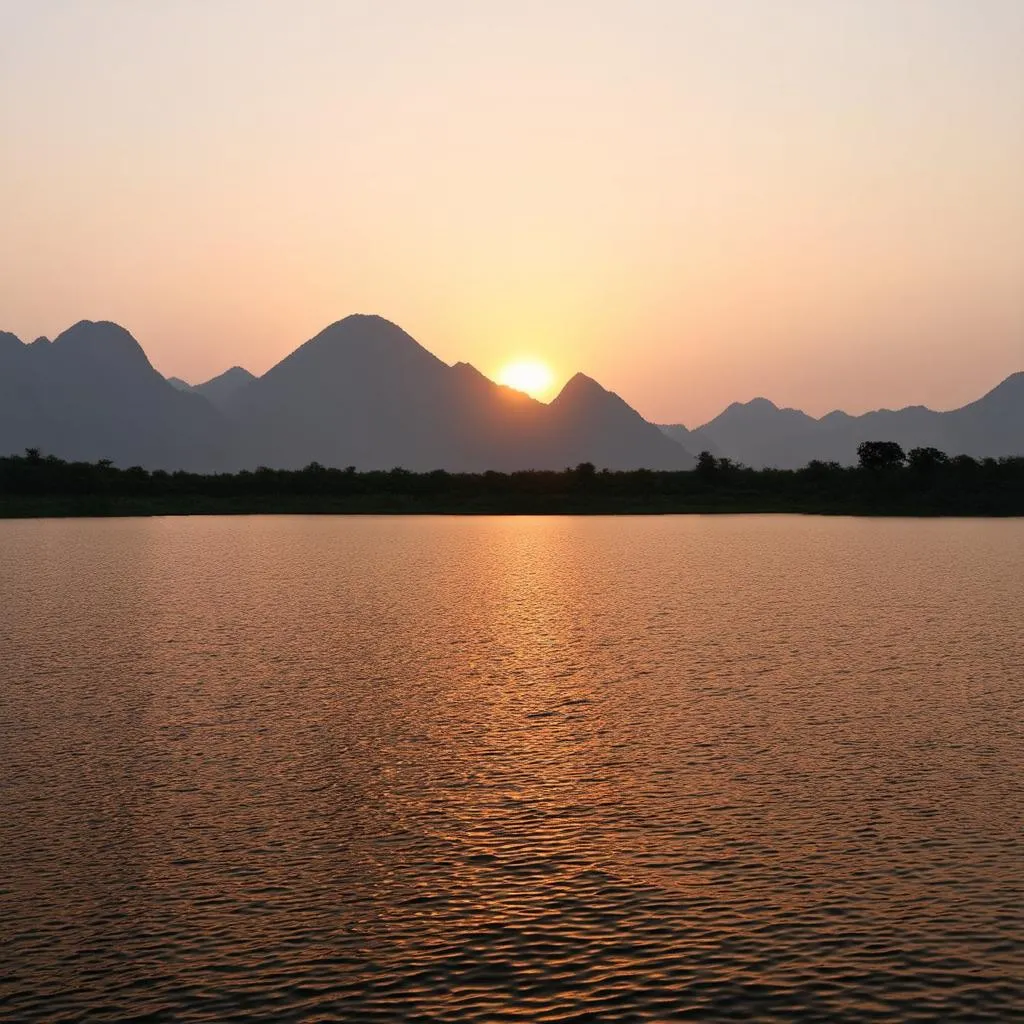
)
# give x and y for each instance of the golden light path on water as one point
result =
(511, 769)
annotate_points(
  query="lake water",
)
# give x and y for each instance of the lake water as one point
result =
(512, 769)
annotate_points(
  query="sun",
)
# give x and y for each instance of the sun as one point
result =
(529, 375)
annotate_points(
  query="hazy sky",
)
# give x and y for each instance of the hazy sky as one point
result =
(694, 201)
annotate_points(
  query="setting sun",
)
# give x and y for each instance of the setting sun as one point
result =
(529, 375)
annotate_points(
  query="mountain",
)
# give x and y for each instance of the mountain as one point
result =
(760, 429)
(362, 392)
(365, 393)
(92, 393)
(691, 440)
(219, 391)
(10, 342)
(597, 426)
(758, 433)
(994, 424)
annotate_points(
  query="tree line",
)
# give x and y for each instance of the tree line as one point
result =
(886, 480)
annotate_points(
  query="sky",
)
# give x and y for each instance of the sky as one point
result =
(693, 201)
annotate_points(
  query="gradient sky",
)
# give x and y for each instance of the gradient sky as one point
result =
(694, 201)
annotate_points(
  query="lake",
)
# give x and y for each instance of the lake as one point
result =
(567, 769)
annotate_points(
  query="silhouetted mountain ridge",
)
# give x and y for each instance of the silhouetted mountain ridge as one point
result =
(759, 434)
(92, 394)
(362, 392)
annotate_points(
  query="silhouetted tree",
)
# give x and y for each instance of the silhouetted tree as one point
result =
(961, 486)
(880, 455)
(817, 469)
(726, 467)
(926, 460)
(707, 466)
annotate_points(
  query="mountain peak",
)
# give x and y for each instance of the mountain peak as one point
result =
(8, 341)
(91, 329)
(579, 385)
(584, 406)
(236, 375)
(360, 360)
(367, 333)
(756, 408)
(364, 327)
(103, 339)
(1013, 384)
(366, 318)
(221, 390)
(583, 393)
(1006, 398)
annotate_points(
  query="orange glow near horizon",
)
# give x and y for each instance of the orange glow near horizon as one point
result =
(530, 376)
(692, 203)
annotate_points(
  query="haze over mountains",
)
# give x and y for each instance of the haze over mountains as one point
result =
(759, 434)
(364, 393)
(361, 393)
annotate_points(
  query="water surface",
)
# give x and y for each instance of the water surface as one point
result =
(511, 769)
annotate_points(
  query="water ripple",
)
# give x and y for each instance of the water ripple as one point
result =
(752, 768)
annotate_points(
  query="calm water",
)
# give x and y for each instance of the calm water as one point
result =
(428, 769)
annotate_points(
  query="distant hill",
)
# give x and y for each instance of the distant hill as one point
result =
(362, 393)
(691, 440)
(221, 390)
(92, 394)
(759, 434)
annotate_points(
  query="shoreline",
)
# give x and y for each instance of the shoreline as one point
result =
(62, 508)
(36, 486)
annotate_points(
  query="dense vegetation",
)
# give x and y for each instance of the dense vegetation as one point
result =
(886, 482)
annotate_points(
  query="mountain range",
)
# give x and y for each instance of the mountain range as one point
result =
(91, 393)
(760, 434)
(361, 393)
(364, 393)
